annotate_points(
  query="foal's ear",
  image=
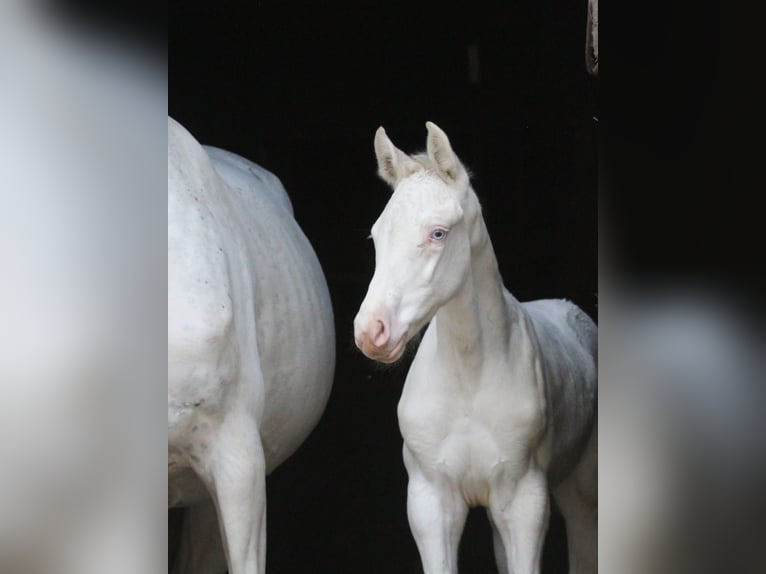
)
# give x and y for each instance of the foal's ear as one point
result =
(393, 164)
(440, 152)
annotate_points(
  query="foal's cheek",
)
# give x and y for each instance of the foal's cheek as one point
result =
(429, 268)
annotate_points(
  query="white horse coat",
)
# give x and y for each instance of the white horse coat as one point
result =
(251, 348)
(499, 403)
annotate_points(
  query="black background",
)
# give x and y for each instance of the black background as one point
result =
(300, 89)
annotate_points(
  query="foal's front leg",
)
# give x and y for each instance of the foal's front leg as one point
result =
(519, 510)
(437, 515)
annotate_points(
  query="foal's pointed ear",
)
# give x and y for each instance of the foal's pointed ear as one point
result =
(393, 163)
(440, 152)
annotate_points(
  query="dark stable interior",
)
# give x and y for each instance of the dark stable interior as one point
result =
(300, 89)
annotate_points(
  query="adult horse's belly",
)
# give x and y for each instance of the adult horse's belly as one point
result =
(294, 320)
(249, 317)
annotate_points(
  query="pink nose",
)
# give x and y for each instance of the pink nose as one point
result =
(380, 333)
(375, 336)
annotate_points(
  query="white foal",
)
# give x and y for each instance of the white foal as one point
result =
(499, 403)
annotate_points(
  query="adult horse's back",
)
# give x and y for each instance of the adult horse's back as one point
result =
(251, 349)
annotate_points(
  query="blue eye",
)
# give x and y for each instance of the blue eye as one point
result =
(438, 234)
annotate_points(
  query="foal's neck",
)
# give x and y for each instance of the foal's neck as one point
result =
(479, 320)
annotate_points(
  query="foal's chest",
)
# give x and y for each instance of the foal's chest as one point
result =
(469, 439)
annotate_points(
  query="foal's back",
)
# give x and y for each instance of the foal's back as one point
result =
(568, 342)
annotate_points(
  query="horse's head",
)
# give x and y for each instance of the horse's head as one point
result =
(422, 244)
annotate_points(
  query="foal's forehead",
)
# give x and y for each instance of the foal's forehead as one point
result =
(422, 196)
(423, 187)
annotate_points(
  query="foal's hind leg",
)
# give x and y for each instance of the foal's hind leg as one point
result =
(200, 550)
(577, 498)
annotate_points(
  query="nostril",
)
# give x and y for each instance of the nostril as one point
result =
(380, 334)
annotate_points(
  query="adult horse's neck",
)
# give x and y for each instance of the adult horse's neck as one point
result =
(479, 320)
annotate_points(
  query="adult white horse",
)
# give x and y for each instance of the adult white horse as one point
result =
(499, 403)
(251, 349)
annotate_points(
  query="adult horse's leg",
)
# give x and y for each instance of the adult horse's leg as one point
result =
(520, 510)
(200, 550)
(437, 516)
(497, 542)
(235, 474)
(577, 497)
